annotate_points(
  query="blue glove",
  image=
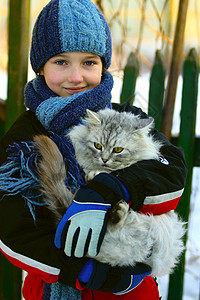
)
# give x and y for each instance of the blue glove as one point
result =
(117, 280)
(83, 226)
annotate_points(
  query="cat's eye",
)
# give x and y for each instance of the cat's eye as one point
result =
(118, 149)
(98, 146)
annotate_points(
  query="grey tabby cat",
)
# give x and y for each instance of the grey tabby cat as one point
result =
(107, 141)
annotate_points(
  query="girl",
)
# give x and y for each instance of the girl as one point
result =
(70, 53)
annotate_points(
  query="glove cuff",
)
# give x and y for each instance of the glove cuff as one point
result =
(119, 280)
(109, 187)
(86, 272)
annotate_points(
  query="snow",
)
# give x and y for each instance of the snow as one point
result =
(192, 268)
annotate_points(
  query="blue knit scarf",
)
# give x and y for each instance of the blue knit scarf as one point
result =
(57, 115)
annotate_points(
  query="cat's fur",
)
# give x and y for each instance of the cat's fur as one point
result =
(155, 240)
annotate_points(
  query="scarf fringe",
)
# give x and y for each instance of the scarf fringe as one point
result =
(17, 175)
(58, 291)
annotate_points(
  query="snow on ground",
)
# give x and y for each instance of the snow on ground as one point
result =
(192, 268)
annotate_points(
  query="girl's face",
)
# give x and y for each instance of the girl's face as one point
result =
(70, 73)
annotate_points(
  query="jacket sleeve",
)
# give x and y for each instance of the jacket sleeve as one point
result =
(29, 245)
(155, 186)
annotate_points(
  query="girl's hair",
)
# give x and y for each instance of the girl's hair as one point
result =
(67, 26)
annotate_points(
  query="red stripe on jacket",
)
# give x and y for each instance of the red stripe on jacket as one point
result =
(14, 258)
(160, 208)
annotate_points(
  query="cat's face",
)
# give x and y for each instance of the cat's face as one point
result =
(109, 140)
(110, 149)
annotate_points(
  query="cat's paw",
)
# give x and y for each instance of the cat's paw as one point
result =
(90, 175)
(118, 213)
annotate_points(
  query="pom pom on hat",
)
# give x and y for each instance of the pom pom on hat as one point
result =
(67, 26)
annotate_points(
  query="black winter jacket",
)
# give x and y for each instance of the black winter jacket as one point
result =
(30, 245)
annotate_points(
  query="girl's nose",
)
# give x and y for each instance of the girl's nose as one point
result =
(75, 75)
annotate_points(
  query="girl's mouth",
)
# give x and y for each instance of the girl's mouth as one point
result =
(75, 90)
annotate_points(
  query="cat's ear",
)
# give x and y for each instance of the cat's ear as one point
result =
(92, 118)
(144, 124)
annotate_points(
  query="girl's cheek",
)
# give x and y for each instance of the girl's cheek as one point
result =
(54, 78)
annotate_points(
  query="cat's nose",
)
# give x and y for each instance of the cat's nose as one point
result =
(104, 160)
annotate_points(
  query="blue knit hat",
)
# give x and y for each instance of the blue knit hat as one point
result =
(67, 26)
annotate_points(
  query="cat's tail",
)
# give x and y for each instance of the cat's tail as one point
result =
(52, 174)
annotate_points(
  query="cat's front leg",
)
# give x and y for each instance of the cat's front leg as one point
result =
(91, 174)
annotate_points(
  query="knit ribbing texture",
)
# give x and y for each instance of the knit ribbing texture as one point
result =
(67, 26)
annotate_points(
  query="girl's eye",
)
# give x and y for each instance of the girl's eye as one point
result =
(98, 146)
(118, 149)
(60, 62)
(89, 63)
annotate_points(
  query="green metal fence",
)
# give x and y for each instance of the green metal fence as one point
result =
(186, 139)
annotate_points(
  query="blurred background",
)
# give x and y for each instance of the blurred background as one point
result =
(141, 26)
(136, 25)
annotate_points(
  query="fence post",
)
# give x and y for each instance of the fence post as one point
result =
(157, 89)
(187, 142)
(18, 39)
(175, 67)
(131, 72)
